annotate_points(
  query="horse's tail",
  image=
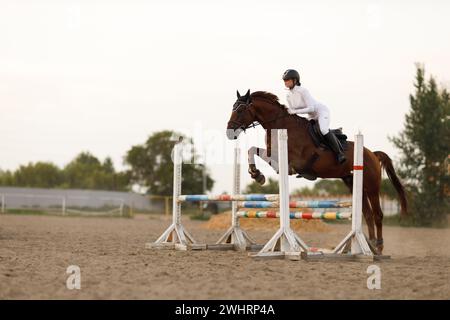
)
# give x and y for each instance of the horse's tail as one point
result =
(386, 163)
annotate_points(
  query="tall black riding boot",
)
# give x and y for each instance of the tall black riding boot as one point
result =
(335, 146)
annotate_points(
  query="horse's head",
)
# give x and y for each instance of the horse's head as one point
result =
(242, 116)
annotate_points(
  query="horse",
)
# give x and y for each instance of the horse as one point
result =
(309, 159)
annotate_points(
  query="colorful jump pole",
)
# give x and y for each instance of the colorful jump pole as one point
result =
(297, 215)
(227, 197)
(296, 204)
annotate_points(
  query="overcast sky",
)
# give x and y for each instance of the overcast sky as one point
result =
(101, 76)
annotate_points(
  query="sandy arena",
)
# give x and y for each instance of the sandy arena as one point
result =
(36, 250)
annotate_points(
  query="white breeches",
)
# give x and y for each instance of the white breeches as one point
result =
(324, 122)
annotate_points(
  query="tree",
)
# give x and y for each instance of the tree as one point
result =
(87, 172)
(6, 178)
(38, 175)
(425, 145)
(151, 166)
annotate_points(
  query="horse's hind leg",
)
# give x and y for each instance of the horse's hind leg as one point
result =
(378, 215)
(255, 173)
(368, 216)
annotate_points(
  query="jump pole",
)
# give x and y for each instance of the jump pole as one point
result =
(176, 236)
(235, 237)
(285, 242)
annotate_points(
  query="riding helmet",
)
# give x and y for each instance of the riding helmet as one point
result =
(291, 74)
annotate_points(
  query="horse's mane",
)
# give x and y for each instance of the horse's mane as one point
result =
(270, 97)
(267, 96)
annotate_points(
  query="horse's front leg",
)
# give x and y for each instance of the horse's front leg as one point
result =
(255, 173)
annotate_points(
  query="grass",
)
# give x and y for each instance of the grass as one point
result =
(29, 212)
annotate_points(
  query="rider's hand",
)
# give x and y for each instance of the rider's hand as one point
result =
(291, 111)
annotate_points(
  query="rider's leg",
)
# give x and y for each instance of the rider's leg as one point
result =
(324, 124)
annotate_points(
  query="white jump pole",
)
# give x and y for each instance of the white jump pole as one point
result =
(285, 241)
(356, 238)
(176, 236)
(235, 235)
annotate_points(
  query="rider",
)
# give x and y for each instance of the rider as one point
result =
(301, 101)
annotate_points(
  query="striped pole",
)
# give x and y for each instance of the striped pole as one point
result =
(297, 215)
(227, 197)
(295, 204)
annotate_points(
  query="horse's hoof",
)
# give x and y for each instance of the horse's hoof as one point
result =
(380, 246)
(261, 179)
(380, 250)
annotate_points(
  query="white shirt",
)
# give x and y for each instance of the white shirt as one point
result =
(300, 101)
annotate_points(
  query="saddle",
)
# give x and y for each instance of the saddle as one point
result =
(320, 141)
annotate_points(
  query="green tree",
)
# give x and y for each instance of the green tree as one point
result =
(87, 172)
(387, 189)
(151, 166)
(37, 175)
(424, 144)
(6, 178)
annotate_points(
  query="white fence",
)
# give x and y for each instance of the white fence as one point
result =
(71, 201)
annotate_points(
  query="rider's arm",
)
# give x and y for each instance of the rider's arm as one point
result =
(309, 101)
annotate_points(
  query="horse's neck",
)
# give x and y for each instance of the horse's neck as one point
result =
(279, 119)
(297, 128)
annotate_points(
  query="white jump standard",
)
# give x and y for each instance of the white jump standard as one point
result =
(284, 241)
(356, 238)
(176, 236)
(235, 237)
(355, 244)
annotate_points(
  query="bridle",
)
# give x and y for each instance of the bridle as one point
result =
(242, 106)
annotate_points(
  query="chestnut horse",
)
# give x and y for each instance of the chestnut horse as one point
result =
(310, 160)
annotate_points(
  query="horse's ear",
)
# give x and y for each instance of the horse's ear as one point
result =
(238, 94)
(247, 96)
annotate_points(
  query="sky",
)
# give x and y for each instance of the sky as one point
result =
(101, 76)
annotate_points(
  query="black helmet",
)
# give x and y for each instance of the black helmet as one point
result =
(291, 74)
